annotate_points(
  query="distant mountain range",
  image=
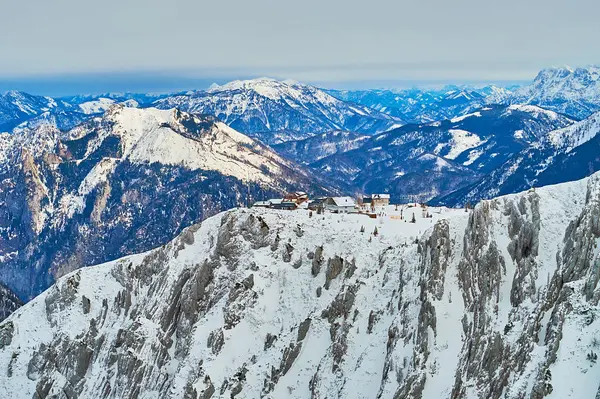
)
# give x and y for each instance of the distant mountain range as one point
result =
(423, 161)
(571, 91)
(21, 110)
(16, 107)
(123, 183)
(423, 106)
(277, 111)
(561, 155)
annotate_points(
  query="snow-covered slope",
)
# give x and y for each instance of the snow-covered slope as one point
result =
(575, 135)
(497, 302)
(97, 106)
(16, 107)
(277, 111)
(420, 162)
(171, 137)
(122, 183)
(573, 91)
(320, 146)
(559, 156)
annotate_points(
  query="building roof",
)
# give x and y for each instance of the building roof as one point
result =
(261, 203)
(380, 196)
(343, 201)
(275, 201)
(296, 194)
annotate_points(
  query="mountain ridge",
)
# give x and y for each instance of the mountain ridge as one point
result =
(127, 181)
(262, 107)
(503, 296)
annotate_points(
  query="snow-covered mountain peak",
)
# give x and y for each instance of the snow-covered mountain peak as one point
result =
(276, 111)
(277, 90)
(172, 137)
(16, 106)
(496, 94)
(573, 91)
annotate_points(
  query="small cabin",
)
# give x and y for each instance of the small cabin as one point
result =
(297, 197)
(339, 204)
(286, 205)
(316, 203)
(376, 200)
(261, 204)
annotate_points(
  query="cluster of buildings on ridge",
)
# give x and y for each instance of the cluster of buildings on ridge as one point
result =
(300, 200)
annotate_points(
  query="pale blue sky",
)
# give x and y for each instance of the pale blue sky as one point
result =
(188, 42)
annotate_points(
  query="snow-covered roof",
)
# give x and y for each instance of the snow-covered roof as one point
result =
(380, 196)
(275, 201)
(261, 203)
(343, 201)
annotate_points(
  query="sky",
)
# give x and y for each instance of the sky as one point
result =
(78, 46)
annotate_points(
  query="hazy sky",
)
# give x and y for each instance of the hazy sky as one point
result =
(188, 42)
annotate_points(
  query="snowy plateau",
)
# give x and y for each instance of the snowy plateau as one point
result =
(500, 301)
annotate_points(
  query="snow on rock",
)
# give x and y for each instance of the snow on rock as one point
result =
(278, 111)
(462, 118)
(473, 156)
(576, 134)
(151, 135)
(461, 141)
(500, 301)
(96, 106)
(572, 91)
(532, 109)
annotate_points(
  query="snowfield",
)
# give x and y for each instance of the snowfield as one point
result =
(500, 301)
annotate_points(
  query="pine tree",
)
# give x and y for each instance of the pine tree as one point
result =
(413, 220)
(362, 229)
(375, 232)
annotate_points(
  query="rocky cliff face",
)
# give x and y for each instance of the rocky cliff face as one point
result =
(9, 302)
(498, 302)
